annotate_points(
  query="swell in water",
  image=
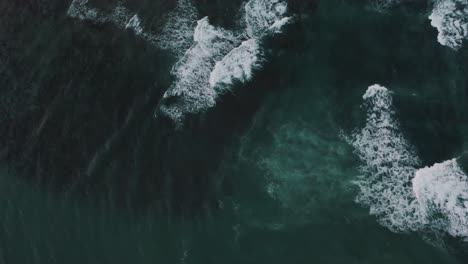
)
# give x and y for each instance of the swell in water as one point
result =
(402, 197)
(220, 57)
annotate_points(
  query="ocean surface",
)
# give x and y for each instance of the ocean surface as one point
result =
(261, 131)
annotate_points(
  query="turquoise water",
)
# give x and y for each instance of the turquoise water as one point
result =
(265, 176)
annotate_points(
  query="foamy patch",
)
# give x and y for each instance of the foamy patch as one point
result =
(261, 16)
(382, 5)
(80, 9)
(442, 192)
(450, 17)
(134, 24)
(210, 59)
(237, 65)
(177, 33)
(389, 164)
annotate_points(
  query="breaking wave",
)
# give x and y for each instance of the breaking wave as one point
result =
(178, 30)
(191, 92)
(218, 58)
(210, 58)
(402, 197)
(450, 17)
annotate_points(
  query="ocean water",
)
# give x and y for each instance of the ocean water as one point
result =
(264, 131)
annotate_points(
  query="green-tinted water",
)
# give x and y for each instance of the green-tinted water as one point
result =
(281, 181)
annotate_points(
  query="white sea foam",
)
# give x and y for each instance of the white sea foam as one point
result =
(176, 35)
(261, 16)
(218, 58)
(402, 197)
(450, 17)
(81, 10)
(442, 192)
(237, 65)
(191, 91)
(210, 58)
(389, 164)
(178, 30)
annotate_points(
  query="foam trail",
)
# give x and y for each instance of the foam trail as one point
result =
(450, 17)
(442, 192)
(389, 164)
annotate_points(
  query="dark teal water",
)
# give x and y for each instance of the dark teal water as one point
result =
(263, 177)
